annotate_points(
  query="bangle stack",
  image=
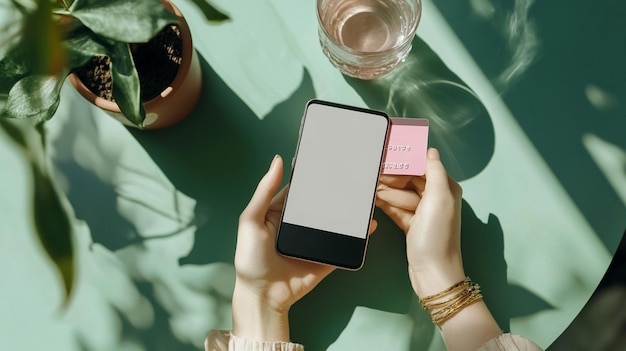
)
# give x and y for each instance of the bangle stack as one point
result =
(446, 304)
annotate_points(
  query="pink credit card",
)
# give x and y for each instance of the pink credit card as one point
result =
(406, 147)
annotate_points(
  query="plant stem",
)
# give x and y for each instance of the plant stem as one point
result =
(64, 3)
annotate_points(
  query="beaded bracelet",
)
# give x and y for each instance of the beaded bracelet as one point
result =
(444, 305)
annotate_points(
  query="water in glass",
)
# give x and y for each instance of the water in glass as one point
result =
(367, 38)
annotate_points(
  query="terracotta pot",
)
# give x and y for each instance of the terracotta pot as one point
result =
(176, 101)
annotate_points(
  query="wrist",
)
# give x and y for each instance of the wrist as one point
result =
(255, 318)
(431, 279)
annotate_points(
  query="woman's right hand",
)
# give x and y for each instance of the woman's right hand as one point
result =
(428, 210)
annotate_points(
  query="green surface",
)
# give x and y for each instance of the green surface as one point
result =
(535, 140)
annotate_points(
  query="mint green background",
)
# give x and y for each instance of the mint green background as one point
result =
(526, 103)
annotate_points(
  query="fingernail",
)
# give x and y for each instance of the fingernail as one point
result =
(274, 161)
(433, 154)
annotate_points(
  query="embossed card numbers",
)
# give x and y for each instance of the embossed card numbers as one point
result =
(406, 148)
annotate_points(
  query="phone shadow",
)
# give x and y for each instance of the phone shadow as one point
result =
(424, 87)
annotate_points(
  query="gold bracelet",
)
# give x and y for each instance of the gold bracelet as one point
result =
(462, 283)
(441, 308)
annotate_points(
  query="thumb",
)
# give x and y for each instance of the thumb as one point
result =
(260, 202)
(436, 175)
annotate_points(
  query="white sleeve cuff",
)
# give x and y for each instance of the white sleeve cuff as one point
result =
(224, 340)
(506, 342)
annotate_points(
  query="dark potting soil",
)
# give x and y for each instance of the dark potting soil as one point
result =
(157, 63)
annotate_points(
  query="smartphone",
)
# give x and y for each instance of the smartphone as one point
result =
(332, 188)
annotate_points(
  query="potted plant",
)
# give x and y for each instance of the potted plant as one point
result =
(59, 37)
(42, 43)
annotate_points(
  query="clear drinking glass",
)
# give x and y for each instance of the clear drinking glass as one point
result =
(367, 38)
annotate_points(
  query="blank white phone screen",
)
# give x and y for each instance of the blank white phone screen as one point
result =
(336, 170)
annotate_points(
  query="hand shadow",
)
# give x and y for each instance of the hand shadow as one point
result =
(383, 284)
(483, 257)
(461, 128)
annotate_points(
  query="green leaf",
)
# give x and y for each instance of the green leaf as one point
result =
(81, 46)
(61, 4)
(126, 89)
(34, 97)
(22, 8)
(40, 38)
(33, 47)
(128, 21)
(211, 13)
(11, 24)
(53, 226)
(52, 220)
(12, 69)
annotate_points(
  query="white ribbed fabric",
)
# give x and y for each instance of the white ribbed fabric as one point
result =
(509, 342)
(224, 340)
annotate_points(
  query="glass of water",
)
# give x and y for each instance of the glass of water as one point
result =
(367, 38)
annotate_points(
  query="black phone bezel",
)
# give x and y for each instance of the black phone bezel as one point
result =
(318, 245)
